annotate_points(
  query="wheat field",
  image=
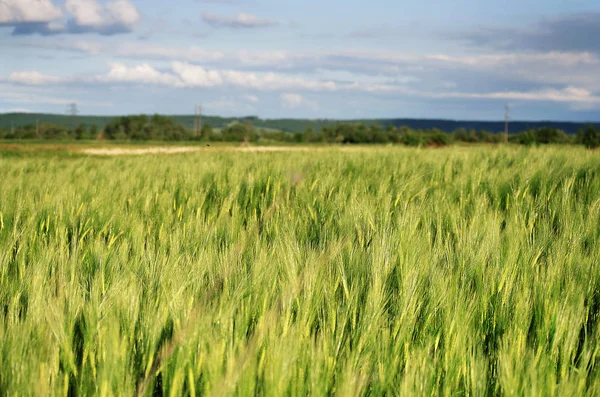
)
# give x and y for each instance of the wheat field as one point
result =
(384, 271)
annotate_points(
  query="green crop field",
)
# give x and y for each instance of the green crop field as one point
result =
(372, 271)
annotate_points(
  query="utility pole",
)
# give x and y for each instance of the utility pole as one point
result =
(506, 117)
(72, 110)
(37, 128)
(197, 120)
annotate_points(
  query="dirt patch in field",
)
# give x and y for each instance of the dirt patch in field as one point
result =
(34, 148)
(150, 150)
(273, 149)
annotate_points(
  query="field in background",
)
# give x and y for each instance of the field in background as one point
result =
(103, 148)
(384, 270)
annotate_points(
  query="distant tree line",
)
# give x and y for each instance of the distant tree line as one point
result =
(142, 127)
(163, 128)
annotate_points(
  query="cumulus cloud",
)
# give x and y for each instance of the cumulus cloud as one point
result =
(501, 70)
(570, 68)
(194, 76)
(241, 20)
(81, 16)
(119, 16)
(14, 12)
(144, 74)
(197, 76)
(293, 87)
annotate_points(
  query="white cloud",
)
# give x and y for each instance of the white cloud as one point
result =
(108, 18)
(189, 75)
(293, 101)
(28, 11)
(144, 74)
(122, 11)
(82, 16)
(569, 94)
(429, 70)
(185, 75)
(33, 78)
(241, 20)
(86, 12)
(572, 95)
(197, 76)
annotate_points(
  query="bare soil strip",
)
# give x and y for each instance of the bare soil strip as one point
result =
(174, 150)
(138, 151)
(272, 149)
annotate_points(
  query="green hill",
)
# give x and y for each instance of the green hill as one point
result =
(298, 125)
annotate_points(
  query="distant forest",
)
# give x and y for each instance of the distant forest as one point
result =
(10, 120)
(164, 128)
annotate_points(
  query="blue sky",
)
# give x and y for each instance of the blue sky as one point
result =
(461, 59)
